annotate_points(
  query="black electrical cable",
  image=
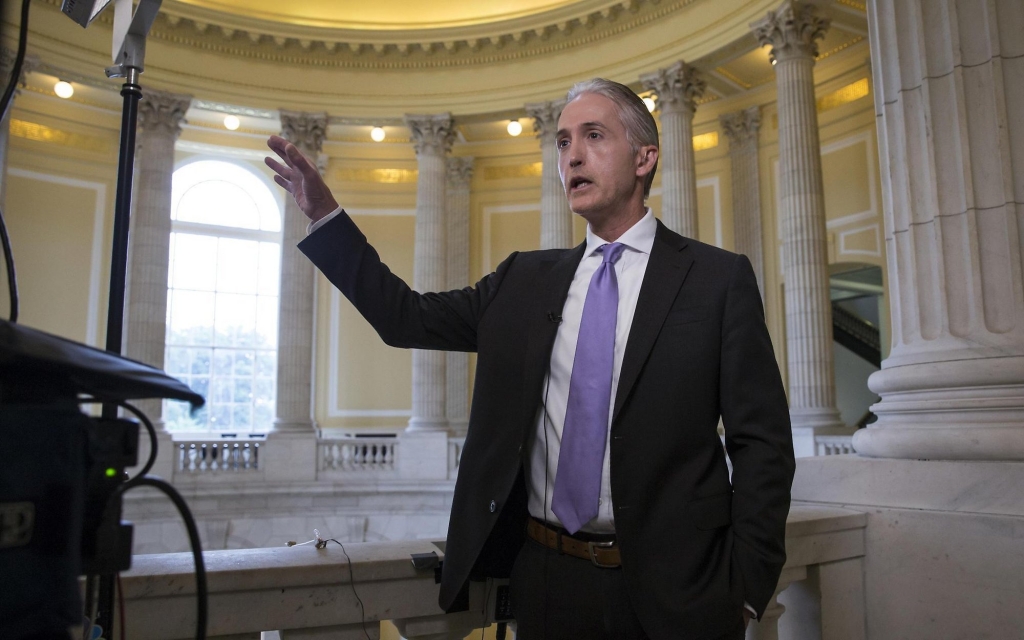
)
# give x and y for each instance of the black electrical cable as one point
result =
(145, 421)
(352, 583)
(5, 104)
(202, 596)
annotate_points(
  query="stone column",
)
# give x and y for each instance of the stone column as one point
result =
(741, 128)
(291, 448)
(297, 292)
(950, 111)
(677, 88)
(460, 173)
(7, 57)
(555, 215)
(792, 32)
(160, 117)
(433, 136)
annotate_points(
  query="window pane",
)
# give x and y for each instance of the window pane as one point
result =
(191, 317)
(266, 322)
(236, 320)
(237, 266)
(270, 268)
(218, 202)
(222, 303)
(193, 260)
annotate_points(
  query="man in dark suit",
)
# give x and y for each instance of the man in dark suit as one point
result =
(593, 471)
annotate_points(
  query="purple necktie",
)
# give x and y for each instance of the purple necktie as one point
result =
(581, 458)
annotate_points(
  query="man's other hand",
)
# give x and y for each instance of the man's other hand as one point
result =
(746, 617)
(300, 178)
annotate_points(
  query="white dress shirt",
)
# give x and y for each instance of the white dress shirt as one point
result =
(544, 446)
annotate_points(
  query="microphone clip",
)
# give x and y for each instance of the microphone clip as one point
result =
(554, 317)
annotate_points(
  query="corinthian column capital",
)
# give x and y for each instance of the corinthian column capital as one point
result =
(677, 87)
(306, 131)
(741, 126)
(792, 30)
(545, 117)
(160, 111)
(432, 135)
(459, 170)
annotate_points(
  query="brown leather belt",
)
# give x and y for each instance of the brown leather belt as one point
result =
(602, 554)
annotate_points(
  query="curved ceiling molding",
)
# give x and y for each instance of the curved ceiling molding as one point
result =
(486, 44)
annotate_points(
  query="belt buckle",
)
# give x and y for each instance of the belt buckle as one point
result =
(591, 546)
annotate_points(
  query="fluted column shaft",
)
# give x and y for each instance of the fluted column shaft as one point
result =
(295, 323)
(555, 215)
(160, 118)
(677, 88)
(460, 172)
(433, 136)
(792, 32)
(949, 104)
(742, 128)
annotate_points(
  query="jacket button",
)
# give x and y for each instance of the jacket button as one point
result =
(494, 506)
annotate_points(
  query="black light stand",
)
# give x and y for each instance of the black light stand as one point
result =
(129, 65)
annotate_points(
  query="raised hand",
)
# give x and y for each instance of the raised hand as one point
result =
(300, 178)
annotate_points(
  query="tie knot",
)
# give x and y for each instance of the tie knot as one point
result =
(612, 251)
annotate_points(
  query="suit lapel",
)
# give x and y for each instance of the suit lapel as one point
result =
(553, 288)
(666, 270)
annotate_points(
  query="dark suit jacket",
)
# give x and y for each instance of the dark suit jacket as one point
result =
(694, 545)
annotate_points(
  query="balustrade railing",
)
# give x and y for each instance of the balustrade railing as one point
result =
(305, 592)
(357, 456)
(213, 455)
(833, 445)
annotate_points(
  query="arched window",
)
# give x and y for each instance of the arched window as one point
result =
(222, 295)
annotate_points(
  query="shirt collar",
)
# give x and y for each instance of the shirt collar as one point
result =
(639, 237)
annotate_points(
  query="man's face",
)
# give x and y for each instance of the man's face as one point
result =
(597, 166)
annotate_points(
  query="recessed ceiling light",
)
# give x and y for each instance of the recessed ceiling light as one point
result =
(232, 123)
(649, 103)
(377, 134)
(63, 89)
(514, 128)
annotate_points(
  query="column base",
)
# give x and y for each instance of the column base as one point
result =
(423, 455)
(955, 410)
(290, 456)
(420, 423)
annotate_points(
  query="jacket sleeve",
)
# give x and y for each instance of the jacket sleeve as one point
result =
(758, 438)
(401, 316)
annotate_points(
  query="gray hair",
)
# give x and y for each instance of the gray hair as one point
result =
(641, 130)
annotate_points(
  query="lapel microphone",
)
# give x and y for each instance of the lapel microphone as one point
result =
(554, 317)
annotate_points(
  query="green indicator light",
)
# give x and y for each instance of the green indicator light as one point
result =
(111, 472)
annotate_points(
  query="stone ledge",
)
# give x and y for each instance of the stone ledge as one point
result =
(989, 487)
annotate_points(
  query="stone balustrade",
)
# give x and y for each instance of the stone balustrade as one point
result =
(356, 457)
(305, 592)
(828, 445)
(212, 455)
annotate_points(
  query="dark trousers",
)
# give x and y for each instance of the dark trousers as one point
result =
(560, 597)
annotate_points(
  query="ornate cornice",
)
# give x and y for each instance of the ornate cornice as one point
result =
(363, 49)
(432, 134)
(792, 31)
(676, 88)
